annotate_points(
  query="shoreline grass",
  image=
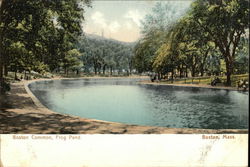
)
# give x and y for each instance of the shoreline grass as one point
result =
(207, 80)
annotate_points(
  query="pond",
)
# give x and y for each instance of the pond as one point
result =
(124, 100)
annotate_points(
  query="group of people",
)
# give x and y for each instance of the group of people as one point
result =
(24, 78)
(242, 84)
(216, 81)
(153, 77)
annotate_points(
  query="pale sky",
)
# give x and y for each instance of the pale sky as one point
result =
(120, 20)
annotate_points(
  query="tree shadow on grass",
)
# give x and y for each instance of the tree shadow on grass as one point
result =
(16, 98)
(12, 122)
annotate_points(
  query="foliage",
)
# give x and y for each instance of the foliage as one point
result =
(101, 54)
(71, 60)
(155, 27)
(39, 35)
(241, 63)
(207, 40)
(225, 22)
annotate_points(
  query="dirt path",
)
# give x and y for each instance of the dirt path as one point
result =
(20, 115)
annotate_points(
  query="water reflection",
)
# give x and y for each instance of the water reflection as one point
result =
(122, 100)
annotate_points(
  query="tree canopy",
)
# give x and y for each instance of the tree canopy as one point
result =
(101, 54)
(37, 35)
(211, 34)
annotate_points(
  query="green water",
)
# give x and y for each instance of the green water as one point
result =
(125, 101)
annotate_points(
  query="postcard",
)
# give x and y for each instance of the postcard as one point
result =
(110, 83)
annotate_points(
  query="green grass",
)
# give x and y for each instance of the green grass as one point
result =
(207, 80)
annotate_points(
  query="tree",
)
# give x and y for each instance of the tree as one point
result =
(162, 17)
(46, 29)
(155, 27)
(225, 21)
(193, 43)
(165, 60)
(186, 47)
(71, 60)
(145, 49)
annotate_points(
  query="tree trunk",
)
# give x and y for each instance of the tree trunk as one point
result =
(95, 69)
(186, 71)
(25, 77)
(202, 72)
(203, 63)
(5, 70)
(181, 70)
(229, 68)
(65, 70)
(159, 76)
(111, 70)
(172, 76)
(103, 69)
(228, 79)
(130, 67)
(193, 71)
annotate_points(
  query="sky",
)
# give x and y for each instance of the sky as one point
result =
(120, 20)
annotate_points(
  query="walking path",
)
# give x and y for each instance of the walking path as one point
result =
(20, 113)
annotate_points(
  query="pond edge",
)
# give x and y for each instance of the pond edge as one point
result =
(164, 130)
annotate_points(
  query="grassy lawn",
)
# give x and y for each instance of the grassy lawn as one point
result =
(207, 80)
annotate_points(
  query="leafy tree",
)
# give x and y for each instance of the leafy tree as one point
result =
(145, 51)
(45, 29)
(186, 47)
(71, 60)
(162, 17)
(225, 21)
(194, 44)
(155, 27)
